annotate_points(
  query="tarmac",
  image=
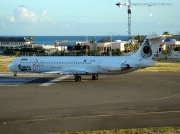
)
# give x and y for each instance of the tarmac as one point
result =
(35, 103)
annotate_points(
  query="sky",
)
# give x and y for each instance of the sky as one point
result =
(86, 17)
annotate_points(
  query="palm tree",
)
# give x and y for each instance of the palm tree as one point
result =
(130, 47)
(166, 33)
(127, 47)
(116, 52)
(30, 38)
(140, 39)
(135, 47)
(166, 53)
(94, 41)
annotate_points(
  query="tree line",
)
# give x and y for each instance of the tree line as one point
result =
(80, 49)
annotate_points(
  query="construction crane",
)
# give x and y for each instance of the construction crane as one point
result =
(129, 11)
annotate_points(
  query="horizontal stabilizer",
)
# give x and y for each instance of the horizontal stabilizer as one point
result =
(154, 37)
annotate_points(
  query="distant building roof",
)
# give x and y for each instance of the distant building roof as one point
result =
(13, 39)
(68, 44)
(105, 39)
(169, 41)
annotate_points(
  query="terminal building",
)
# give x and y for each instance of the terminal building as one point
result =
(14, 42)
(107, 45)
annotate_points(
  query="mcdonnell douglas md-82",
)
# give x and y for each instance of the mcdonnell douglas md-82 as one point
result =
(90, 65)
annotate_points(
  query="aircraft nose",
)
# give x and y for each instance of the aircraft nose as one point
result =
(10, 66)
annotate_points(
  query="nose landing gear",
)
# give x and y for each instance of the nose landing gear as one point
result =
(15, 74)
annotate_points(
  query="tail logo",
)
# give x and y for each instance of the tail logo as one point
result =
(146, 51)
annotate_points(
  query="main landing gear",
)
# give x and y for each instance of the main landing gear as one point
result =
(78, 78)
(95, 77)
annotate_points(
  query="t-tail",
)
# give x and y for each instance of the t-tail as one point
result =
(149, 47)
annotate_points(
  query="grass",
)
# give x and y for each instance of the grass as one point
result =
(160, 130)
(4, 61)
(161, 66)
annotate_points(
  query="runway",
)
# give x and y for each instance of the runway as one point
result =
(35, 103)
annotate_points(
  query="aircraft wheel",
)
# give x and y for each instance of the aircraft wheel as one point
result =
(97, 77)
(94, 77)
(78, 78)
(15, 74)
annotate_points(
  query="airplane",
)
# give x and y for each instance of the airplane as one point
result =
(90, 65)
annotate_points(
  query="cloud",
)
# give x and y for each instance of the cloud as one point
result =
(44, 17)
(24, 21)
(165, 23)
(22, 6)
(44, 12)
(23, 15)
(177, 22)
(10, 18)
(66, 26)
(2, 25)
(160, 23)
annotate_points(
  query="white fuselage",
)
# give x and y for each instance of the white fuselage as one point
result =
(80, 65)
(94, 65)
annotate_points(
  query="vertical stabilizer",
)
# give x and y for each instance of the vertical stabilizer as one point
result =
(149, 47)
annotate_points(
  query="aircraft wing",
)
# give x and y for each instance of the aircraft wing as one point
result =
(68, 71)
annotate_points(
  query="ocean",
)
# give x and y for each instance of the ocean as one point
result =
(49, 40)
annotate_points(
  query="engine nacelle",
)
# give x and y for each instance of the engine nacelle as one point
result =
(114, 66)
(125, 66)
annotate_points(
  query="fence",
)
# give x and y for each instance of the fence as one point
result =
(172, 56)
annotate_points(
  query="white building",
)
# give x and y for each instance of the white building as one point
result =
(14, 42)
(177, 43)
(108, 46)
